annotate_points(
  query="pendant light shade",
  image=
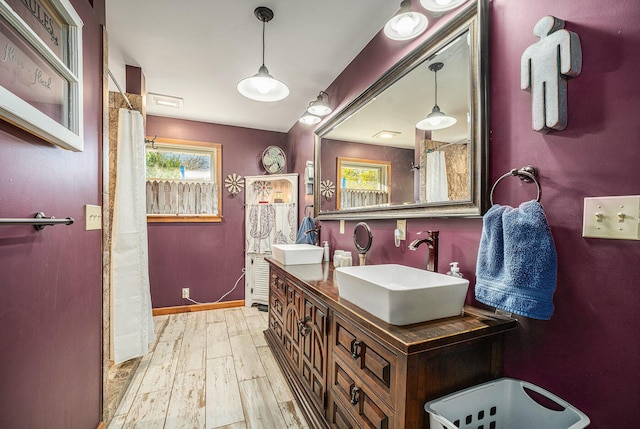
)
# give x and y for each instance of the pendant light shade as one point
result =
(309, 119)
(405, 24)
(436, 120)
(262, 86)
(440, 6)
(320, 107)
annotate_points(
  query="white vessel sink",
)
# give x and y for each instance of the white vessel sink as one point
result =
(402, 295)
(297, 254)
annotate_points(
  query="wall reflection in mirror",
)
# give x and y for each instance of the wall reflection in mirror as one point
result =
(412, 144)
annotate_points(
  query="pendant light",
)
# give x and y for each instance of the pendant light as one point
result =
(441, 6)
(405, 24)
(309, 119)
(320, 107)
(436, 120)
(262, 86)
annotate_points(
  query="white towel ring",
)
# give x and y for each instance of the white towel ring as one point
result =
(526, 174)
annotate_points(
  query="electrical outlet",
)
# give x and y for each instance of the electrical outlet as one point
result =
(401, 224)
(185, 292)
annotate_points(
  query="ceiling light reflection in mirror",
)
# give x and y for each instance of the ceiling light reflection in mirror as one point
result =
(410, 99)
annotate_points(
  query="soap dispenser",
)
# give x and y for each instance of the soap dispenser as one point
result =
(455, 271)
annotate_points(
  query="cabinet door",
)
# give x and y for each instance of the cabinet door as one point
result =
(313, 335)
(292, 318)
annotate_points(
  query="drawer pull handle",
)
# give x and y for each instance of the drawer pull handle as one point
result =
(303, 326)
(355, 349)
(355, 395)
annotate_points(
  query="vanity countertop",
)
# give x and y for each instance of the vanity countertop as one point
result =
(472, 324)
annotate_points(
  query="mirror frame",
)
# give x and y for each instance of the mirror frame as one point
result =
(362, 249)
(473, 17)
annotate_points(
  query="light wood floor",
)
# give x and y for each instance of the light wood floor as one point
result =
(210, 369)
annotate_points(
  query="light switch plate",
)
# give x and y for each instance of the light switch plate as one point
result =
(341, 226)
(401, 224)
(612, 217)
(93, 217)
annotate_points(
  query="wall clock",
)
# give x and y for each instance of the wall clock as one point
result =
(273, 159)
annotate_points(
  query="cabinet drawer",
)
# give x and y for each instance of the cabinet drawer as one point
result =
(276, 302)
(277, 283)
(358, 398)
(275, 325)
(338, 416)
(373, 362)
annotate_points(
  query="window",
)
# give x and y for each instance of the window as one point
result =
(362, 182)
(183, 181)
(41, 69)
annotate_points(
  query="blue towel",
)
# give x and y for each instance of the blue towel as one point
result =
(305, 237)
(516, 267)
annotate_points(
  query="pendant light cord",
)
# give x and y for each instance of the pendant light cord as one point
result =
(435, 68)
(264, 24)
(435, 76)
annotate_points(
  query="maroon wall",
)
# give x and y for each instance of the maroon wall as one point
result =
(587, 353)
(400, 160)
(51, 311)
(206, 257)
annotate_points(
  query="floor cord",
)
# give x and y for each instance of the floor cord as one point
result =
(223, 296)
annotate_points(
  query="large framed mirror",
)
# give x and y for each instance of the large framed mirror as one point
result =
(433, 170)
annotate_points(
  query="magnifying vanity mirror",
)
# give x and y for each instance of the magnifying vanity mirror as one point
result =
(362, 239)
(377, 152)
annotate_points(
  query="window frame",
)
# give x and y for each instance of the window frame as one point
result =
(22, 114)
(367, 163)
(185, 146)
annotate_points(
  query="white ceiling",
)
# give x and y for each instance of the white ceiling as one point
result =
(199, 49)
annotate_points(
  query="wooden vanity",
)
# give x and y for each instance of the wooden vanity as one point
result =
(349, 369)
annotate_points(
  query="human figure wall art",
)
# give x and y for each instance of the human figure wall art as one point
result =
(545, 67)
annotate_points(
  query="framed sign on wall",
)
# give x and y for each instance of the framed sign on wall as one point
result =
(41, 69)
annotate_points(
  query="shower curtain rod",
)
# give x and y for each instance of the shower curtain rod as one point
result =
(120, 89)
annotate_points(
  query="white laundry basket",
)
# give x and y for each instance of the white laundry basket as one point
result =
(503, 404)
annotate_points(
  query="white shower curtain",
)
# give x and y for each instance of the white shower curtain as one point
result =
(132, 319)
(437, 187)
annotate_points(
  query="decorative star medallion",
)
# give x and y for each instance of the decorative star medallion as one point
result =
(234, 184)
(327, 189)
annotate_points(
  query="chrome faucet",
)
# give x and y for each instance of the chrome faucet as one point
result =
(432, 242)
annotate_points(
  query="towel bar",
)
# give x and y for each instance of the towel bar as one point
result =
(308, 206)
(39, 221)
(526, 174)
